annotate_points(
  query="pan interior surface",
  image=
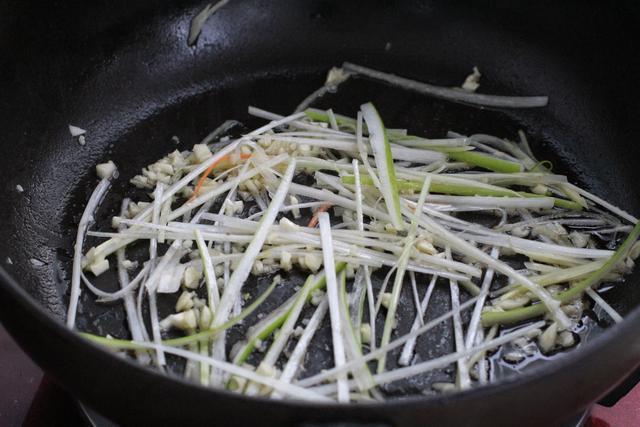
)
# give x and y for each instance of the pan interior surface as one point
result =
(137, 90)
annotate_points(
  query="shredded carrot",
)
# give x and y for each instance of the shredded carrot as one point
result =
(206, 173)
(322, 208)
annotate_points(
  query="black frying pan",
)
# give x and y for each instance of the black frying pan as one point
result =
(123, 71)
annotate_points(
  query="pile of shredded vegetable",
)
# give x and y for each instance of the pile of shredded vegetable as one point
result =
(341, 199)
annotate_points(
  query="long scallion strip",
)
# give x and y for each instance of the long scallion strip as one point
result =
(330, 373)
(289, 389)
(135, 326)
(399, 277)
(352, 346)
(449, 94)
(365, 268)
(463, 381)
(439, 362)
(278, 344)
(384, 162)
(213, 294)
(85, 221)
(348, 123)
(334, 308)
(621, 213)
(490, 318)
(195, 28)
(240, 274)
(551, 304)
(486, 162)
(189, 339)
(604, 305)
(122, 292)
(477, 310)
(295, 360)
(408, 349)
(467, 190)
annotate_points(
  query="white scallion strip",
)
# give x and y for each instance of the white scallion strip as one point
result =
(480, 234)
(331, 373)
(334, 309)
(384, 162)
(622, 214)
(409, 346)
(240, 274)
(279, 342)
(554, 275)
(524, 245)
(351, 341)
(288, 209)
(133, 321)
(362, 151)
(213, 294)
(156, 273)
(437, 363)
(172, 254)
(414, 141)
(85, 221)
(155, 329)
(443, 361)
(398, 152)
(605, 306)
(122, 292)
(450, 94)
(155, 219)
(482, 362)
(477, 310)
(468, 249)
(139, 301)
(365, 268)
(399, 278)
(285, 388)
(463, 380)
(198, 21)
(332, 119)
(494, 202)
(297, 356)
(257, 112)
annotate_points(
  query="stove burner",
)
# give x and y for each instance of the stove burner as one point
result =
(30, 399)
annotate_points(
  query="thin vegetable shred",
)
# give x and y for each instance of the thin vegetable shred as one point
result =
(368, 213)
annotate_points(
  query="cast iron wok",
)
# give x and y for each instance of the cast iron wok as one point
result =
(123, 71)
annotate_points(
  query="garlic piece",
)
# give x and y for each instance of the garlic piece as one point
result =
(105, 170)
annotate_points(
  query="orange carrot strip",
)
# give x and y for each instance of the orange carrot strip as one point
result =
(314, 219)
(206, 173)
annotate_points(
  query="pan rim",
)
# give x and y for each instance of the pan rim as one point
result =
(544, 371)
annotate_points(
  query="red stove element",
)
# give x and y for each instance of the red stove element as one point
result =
(626, 412)
(29, 399)
(19, 381)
